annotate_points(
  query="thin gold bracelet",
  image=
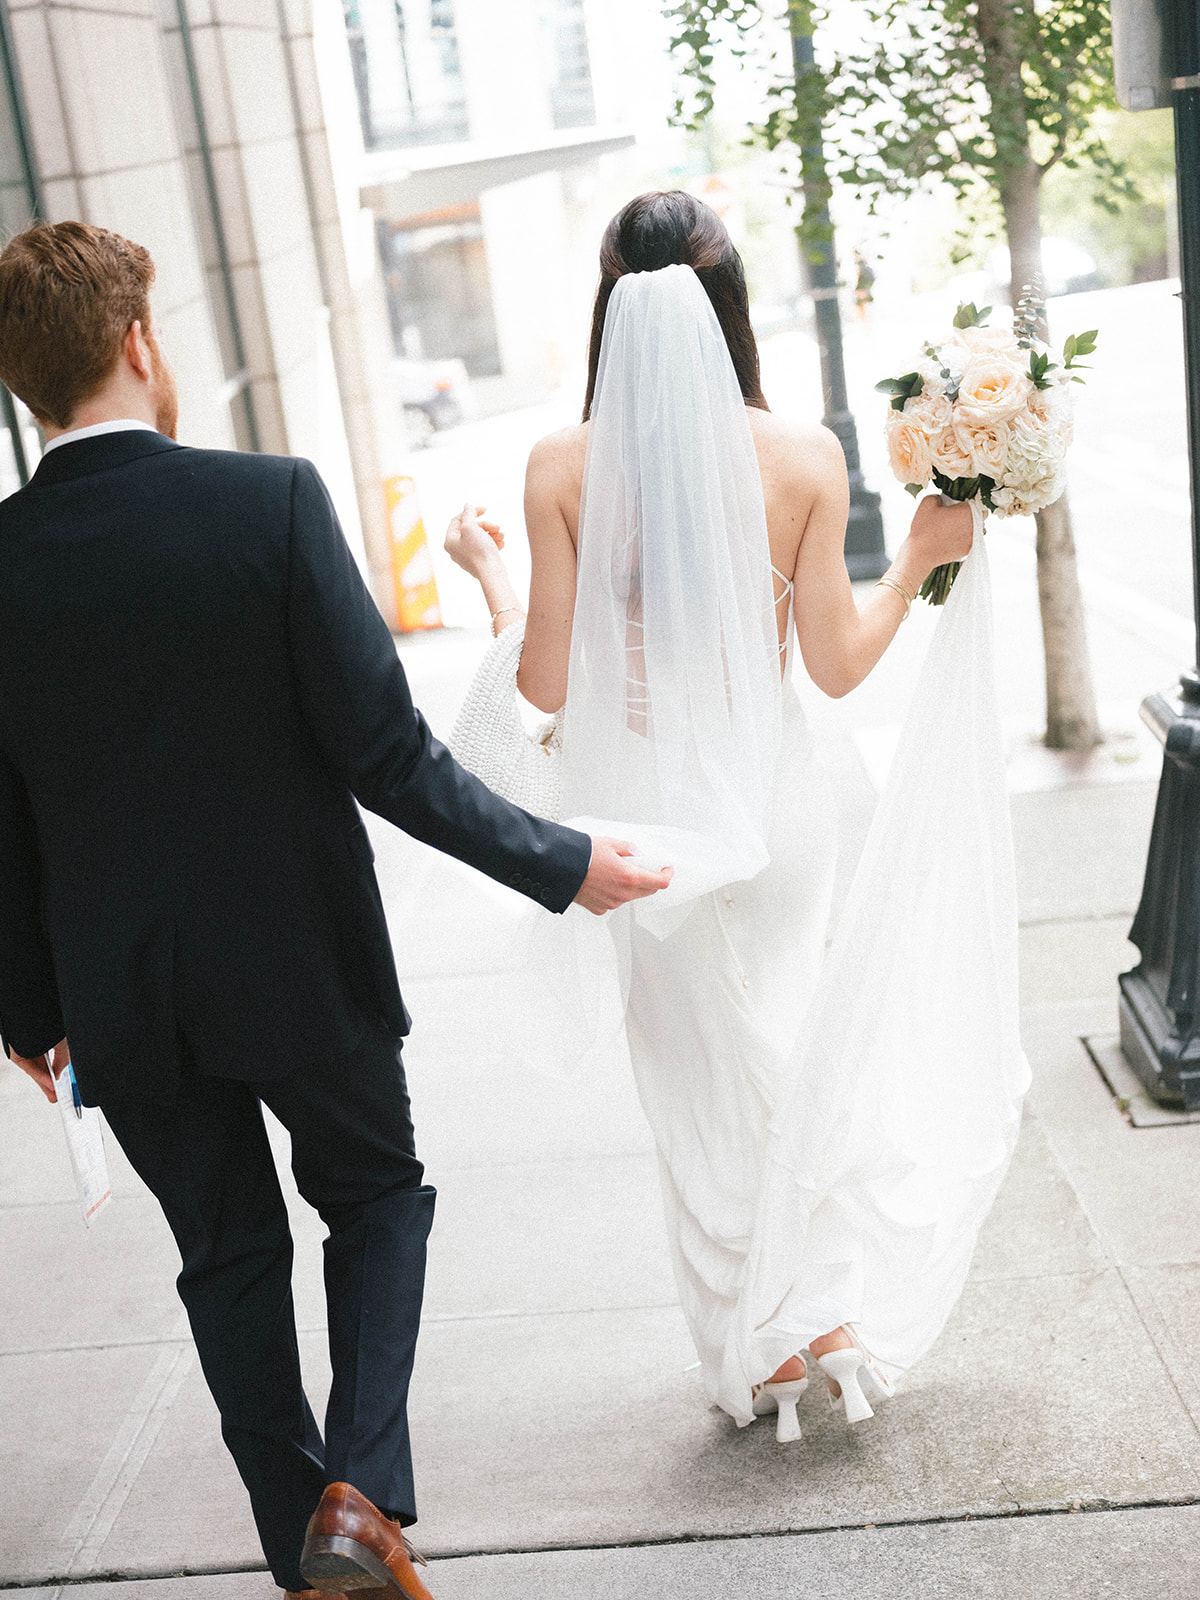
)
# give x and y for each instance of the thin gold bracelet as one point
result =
(888, 582)
(503, 611)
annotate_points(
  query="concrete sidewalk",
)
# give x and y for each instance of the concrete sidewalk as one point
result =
(554, 1408)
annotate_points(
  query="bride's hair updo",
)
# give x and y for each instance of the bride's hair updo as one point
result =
(672, 228)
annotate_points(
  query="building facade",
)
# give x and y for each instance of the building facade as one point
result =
(198, 128)
(497, 140)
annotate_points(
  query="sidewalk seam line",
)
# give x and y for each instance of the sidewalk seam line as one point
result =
(937, 1519)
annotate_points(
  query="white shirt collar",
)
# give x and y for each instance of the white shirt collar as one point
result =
(123, 425)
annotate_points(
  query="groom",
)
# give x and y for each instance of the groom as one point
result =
(195, 688)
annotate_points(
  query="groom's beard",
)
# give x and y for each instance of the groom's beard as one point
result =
(164, 392)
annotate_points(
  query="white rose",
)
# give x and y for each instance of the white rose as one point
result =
(931, 375)
(930, 412)
(983, 341)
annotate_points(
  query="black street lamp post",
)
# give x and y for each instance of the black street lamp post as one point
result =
(1158, 53)
(865, 553)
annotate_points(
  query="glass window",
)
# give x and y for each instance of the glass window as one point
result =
(572, 103)
(20, 203)
(407, 72)
(439, 291)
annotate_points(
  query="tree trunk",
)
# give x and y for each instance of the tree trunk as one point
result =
(1071, 722)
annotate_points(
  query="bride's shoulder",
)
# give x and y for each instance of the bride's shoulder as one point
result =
(564, 447)
(795, 447)
(554, 476)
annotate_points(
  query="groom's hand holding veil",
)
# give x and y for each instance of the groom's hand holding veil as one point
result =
(615, 878)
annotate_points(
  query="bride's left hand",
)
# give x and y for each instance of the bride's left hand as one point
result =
(472, 543)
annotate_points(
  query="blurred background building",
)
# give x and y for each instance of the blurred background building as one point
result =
(368, 216)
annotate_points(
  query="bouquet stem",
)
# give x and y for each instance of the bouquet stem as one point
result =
(937, 586)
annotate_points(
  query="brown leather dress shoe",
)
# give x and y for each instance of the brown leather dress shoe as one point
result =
(352, 1548)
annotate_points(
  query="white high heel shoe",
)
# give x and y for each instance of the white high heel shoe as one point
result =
(781, 1397)
(856, 1373)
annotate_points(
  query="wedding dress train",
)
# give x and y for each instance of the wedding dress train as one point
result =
(832, 1123)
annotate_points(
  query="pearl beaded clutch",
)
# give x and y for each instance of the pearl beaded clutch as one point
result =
(491, 740)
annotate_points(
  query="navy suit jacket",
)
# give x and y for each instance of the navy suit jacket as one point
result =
(195, 688)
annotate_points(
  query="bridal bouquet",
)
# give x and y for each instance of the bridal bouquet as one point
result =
(985, 413)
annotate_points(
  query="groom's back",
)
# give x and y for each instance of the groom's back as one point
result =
(203, 865)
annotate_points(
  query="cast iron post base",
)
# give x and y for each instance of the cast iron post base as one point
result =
(1160, 1024)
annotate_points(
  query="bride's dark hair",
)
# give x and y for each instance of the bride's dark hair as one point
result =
(671, 227)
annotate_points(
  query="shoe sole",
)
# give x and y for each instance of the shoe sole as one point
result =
(335, 1564)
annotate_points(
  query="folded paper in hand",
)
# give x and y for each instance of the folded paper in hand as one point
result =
(86, 1145)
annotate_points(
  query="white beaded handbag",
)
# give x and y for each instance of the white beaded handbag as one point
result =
(491, 740)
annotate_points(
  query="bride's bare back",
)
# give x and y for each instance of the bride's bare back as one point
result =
(806, 496)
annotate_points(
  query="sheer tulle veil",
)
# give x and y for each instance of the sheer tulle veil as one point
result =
(672, 718)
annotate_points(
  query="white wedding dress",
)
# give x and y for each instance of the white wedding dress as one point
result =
(832, 1122)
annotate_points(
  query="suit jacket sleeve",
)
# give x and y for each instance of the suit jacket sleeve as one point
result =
(30, 1015)
(356, 701)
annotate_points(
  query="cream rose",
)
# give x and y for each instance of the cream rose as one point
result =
(984, 340)
(949, 457)
(993, 389)
(908, 449)
(985, 443)
(930, 412)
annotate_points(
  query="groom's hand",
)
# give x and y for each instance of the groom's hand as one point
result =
(614, 877)
(44, 1069)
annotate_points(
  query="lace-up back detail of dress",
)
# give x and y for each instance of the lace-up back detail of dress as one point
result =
(637, 703)
(784, 598)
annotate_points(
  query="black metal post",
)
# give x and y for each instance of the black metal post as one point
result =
(866, 556)
(1159, 1006)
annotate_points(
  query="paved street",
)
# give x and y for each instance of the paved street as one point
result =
(1050, 1443)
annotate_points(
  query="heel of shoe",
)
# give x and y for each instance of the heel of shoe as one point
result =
(874, 1385)
(785, 1395)
(843, 1366)
(335, 1564)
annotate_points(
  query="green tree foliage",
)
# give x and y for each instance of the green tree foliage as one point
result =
(970, 92)
(1129, 242)
(986, 96)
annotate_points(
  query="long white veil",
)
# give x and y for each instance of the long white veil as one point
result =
(832, 1127)
(673, 705)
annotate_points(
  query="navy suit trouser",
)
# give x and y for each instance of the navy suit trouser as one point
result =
(206, 1158)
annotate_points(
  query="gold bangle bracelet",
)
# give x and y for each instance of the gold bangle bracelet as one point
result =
(503, 611)
(887, 582)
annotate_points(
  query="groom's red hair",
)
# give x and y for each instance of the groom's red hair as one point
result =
(69, 294)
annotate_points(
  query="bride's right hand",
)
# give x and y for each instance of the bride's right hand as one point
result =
(472, 543)
(940, 534)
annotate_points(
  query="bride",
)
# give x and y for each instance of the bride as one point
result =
(832, 1126)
